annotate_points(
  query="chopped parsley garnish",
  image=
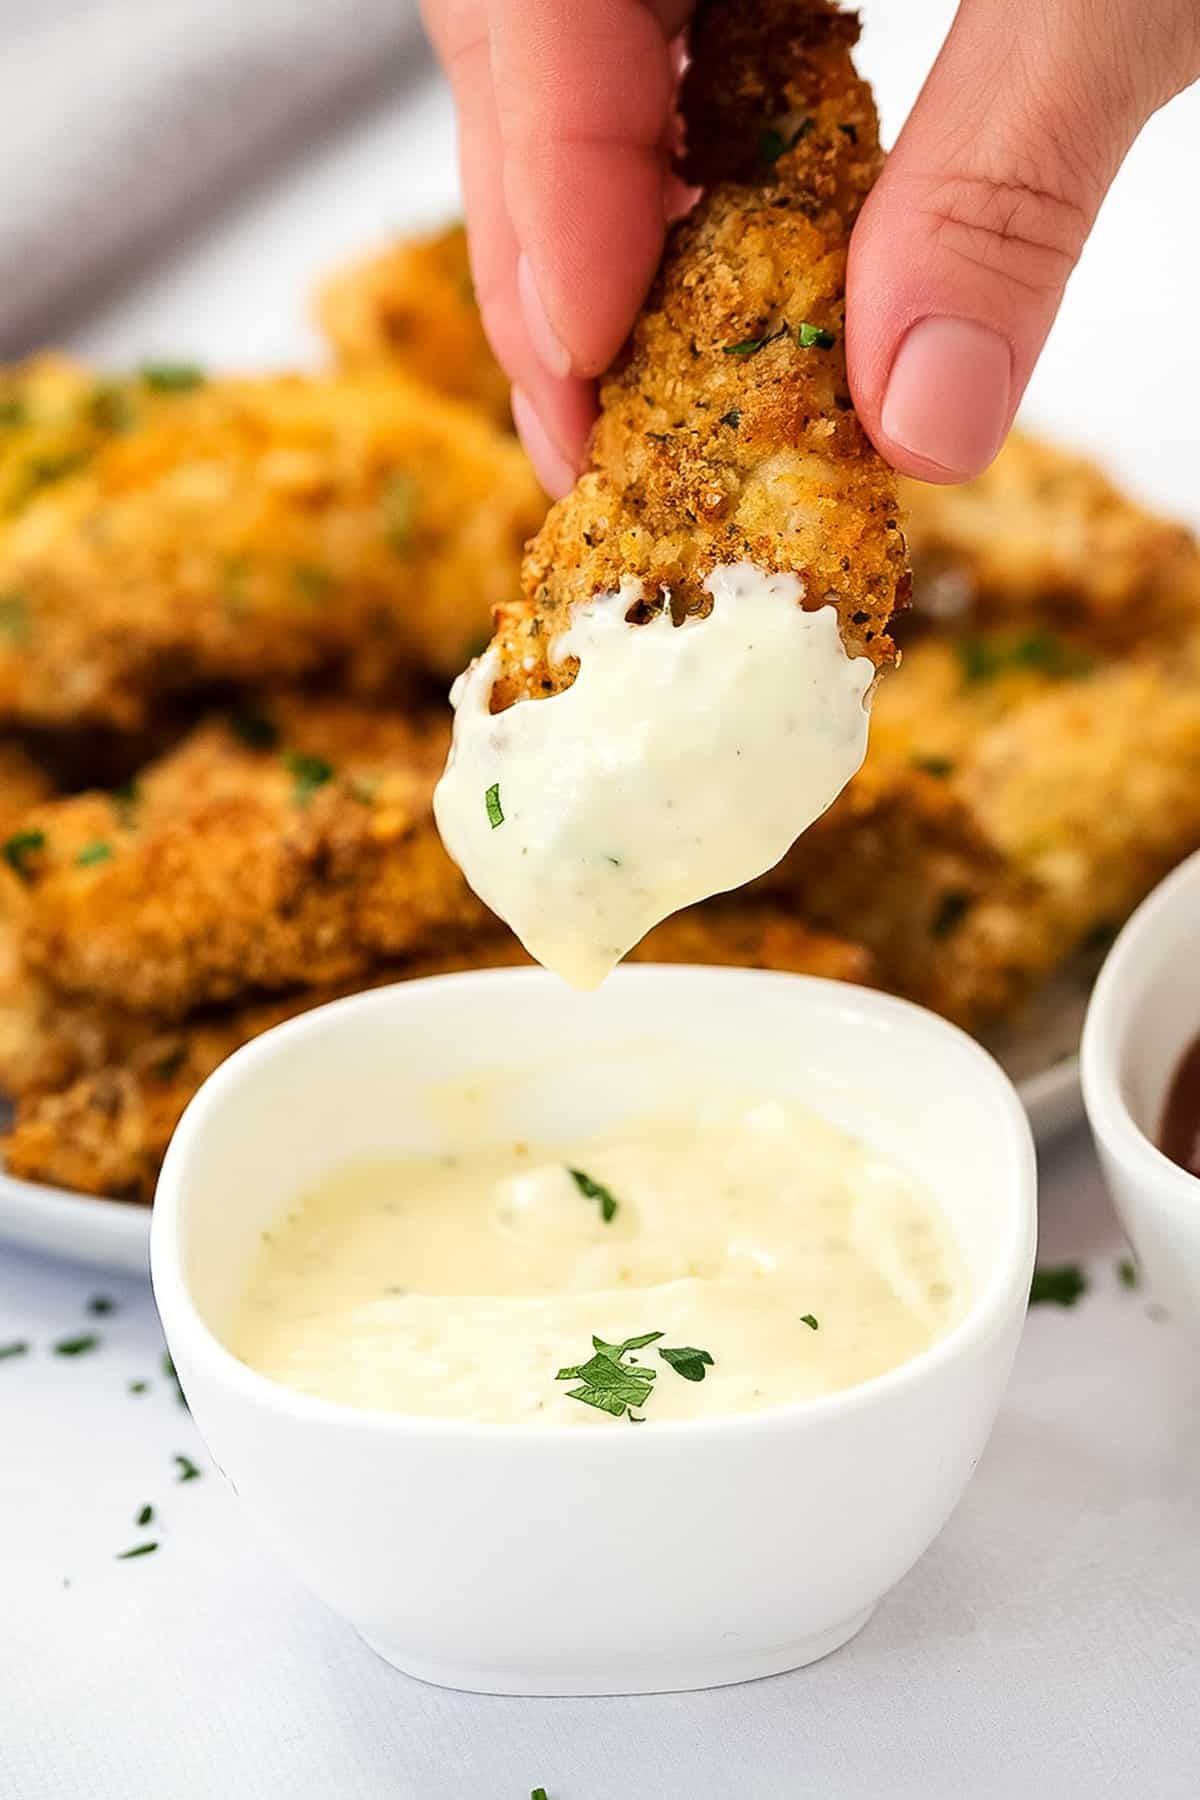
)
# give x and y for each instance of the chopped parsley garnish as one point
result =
(752, 346)
(313, 583)
(14, 618)
(96, 852)
(399, 511)
(814, 337)
(20, 847)
(495, 811)
(168, 1368)
(609, 1383)
(255, 730)
(1060, 1284)
(595, 1190)
(951, 912)
(138, 1550)
(1128, 1273)
(99, 1304)
(808, 1319)
(172, 378)
(188, 1470)
(538, 1794)
(138, 1387)
(145, 1516)
(688, 1362)
(984, 658)
(732, 418)
(76, 1346)
(941, 766)
(18, 1347)
(309, 774)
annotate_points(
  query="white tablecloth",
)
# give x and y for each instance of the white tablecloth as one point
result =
(1048, 1644)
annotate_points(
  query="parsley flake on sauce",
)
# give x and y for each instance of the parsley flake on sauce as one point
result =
(814, 337)
(99, 1304)
(145, 1516)
(609, 1383)
(188, 1470)
(688, 1362)
(138, 1550)
(808, 1319)
(538, 1794)
(76, 1346)
(18, 1347)
(20, 847)
(495, 811)
(1060, 1284)
(595, 1190)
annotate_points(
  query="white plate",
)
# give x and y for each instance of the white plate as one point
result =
(113, 1234)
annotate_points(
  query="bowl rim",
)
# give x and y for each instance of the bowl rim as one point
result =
(1127, 969)
(985, 1318)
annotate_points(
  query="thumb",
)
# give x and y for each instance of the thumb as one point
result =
(960, 258)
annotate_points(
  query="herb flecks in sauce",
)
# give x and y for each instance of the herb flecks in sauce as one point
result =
(595, 1190)
(77, 1346)
(609, 1383)
(688, 1362)
(495, 811)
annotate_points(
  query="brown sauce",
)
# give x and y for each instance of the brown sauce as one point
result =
(1179, 1133)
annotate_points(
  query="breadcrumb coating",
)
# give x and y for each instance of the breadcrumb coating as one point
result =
(726, 430)
(411, 306)
(261, 530)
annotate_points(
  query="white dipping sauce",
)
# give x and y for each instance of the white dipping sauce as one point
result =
(796, 1258)
(682, 761)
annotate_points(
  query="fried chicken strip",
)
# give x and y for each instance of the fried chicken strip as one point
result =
(411, 306)
(726, 430)
(101, 1089)
(301, 856)
(1044, 536)
(259, 530)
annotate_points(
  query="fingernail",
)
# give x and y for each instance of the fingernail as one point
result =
(552, 353)
(947, 398)
(549, 464)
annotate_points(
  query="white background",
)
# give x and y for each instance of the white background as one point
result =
(1049, 1644)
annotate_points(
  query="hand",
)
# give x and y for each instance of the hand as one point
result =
(958, 262)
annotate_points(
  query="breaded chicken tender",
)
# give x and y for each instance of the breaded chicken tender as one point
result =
(301, 852)
(262, 530)
(102, 1089)
(726, 431)
(1045, 535)
(412, 307)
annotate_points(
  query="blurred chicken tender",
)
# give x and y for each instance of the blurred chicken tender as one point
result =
(261, 530)
(300, 853)
(1045, 534)
(726, 430)
(102, 1089)
(412, 307)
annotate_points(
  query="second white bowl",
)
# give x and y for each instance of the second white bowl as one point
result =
(557, 1560)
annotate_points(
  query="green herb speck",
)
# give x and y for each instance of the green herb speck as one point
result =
(145, 1516)
(309, 773)
(20, 847)
(1128, 1273)
(609, 1383)
(172, 378)
(76, 1346)
(752, 346)
(138, 1387)
(495, 811)
(97, 852)
(188, 1470)
(814, 337)
(595, 1190)
(808, 1319)
(100, 1304)
(17, 1347)
(1060, 1284)
(688, 1362)
(138, 1550)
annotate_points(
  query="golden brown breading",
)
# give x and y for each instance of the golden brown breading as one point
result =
(1044, 534)
(726, 431)
(412, 306)
(243, 868)
(101, 1090)
(260, 530)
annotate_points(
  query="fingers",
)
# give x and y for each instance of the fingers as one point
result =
(564, 108)
(960, 258)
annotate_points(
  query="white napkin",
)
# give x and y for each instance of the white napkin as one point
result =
(119, 119)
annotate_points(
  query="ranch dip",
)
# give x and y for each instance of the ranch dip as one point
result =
(726, 1257)
(682, 761)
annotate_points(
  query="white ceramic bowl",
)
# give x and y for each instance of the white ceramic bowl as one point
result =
(563, 1560)
(1144, 1012)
